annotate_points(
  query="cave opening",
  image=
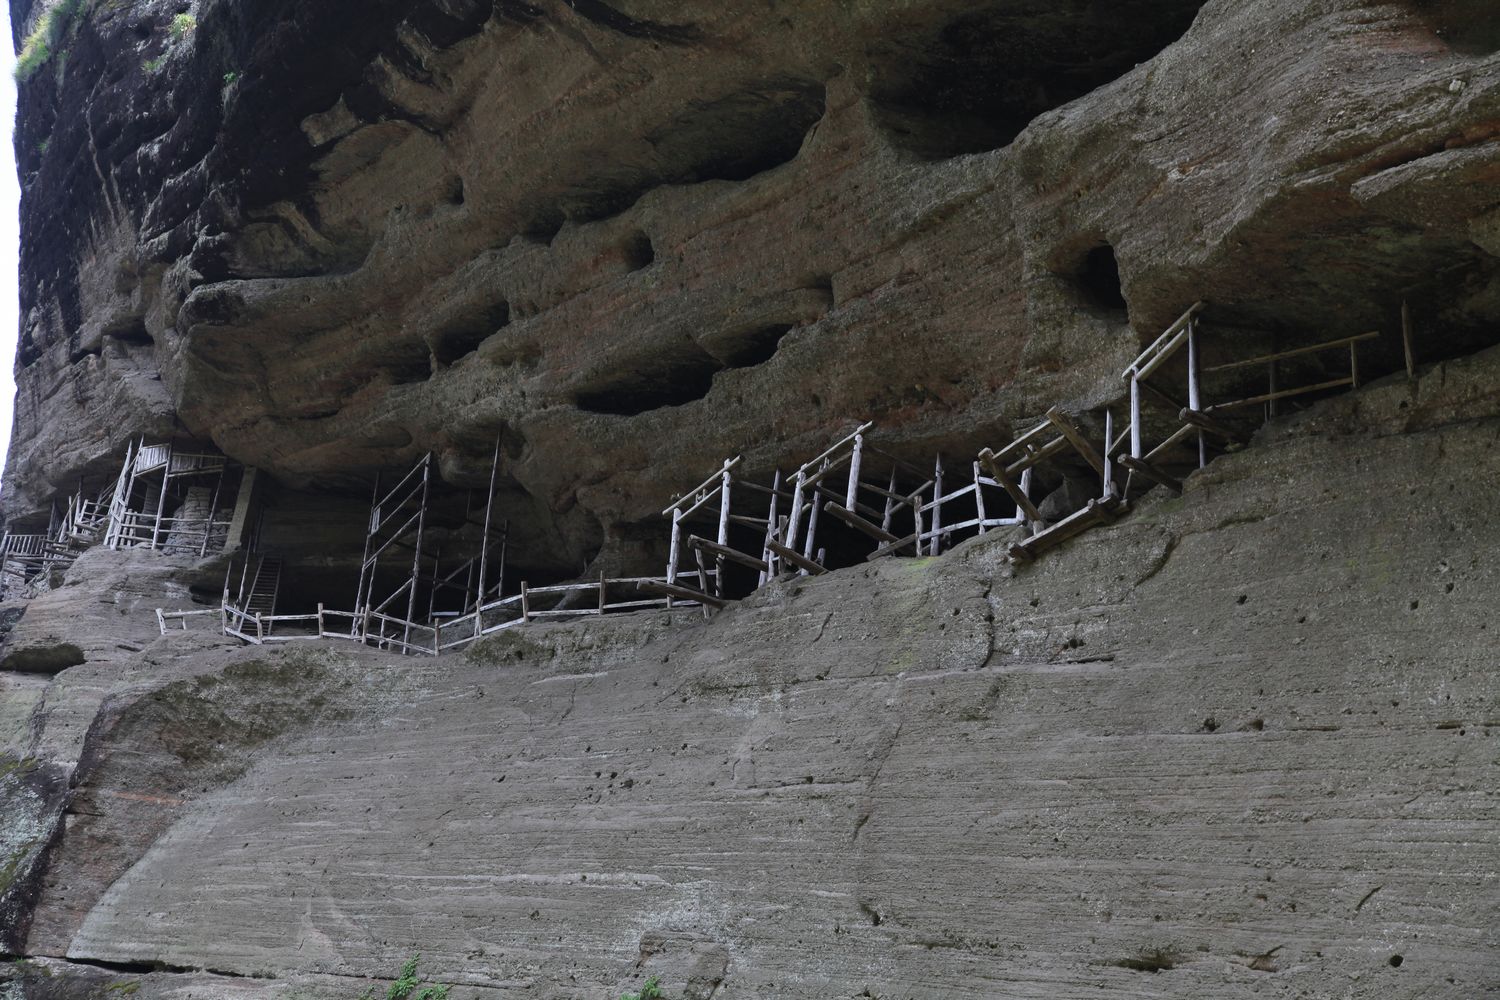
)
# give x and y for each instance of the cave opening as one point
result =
(1469, 27)
(638, 252)
(682, 378)
(753, 347)
(1098, 278)
(462, 337)
(972, 84)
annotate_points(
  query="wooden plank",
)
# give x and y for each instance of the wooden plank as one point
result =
(1292, 353)
(1074, 436)
(1151, 472)
(858, 523)
(724, 551)
(1205, 422)
(795, 558)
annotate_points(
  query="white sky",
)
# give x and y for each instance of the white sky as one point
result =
(10, 236)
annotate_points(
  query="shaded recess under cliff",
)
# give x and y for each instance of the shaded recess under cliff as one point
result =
(976, 81)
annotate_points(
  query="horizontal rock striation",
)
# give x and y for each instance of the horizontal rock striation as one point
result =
(1240, 743)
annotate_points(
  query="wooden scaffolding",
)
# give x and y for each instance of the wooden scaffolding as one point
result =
(169, 497)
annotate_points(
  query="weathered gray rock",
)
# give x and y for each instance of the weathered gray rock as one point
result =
(1240, 742)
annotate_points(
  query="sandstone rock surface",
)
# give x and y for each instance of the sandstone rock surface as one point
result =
(1228, 747)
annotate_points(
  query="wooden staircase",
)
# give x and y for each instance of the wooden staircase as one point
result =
(261, 599)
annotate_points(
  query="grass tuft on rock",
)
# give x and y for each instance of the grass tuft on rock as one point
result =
(42, 43)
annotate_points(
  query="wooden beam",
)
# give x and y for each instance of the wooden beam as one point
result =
(724, 551)
(1271, 397)
(681, 593)
(1203, 421)
(1151, 472)
(890, 548)
(1097, 512)
(795, 558)
(1023, 502)
(860, 524)
(1074, 436)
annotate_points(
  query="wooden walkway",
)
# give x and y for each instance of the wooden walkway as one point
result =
(855, 501)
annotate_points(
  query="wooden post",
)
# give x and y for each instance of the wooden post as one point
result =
(812, 521)
(603, 590)
(1406, 332)
(1273, 380)
(890, 503)
(1135, 417)
(484, 541)
(1109, 462)
(793, 526)
(161, 498)
(416, 557)
(321, 630)
(1195, 400)
(771, 524)
(525, 603)
(260, 630)
(1353, 366)
(702, 577)
(979, 498)
(726, 490)
(851, 500)
(935, 547)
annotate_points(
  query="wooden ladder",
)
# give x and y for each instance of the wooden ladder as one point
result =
(265, 588)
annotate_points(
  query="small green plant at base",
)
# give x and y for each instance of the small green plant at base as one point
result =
(182, 24)
(405, 986)
(651, 990)
(231, 78)
(152, 65)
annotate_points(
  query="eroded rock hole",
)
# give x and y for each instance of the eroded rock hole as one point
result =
(462, 337)
(638, 252)
(739, 136)
(686, 376)
(1470, 27)
(972, 84)
(753, 347)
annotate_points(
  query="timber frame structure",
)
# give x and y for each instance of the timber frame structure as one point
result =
(729, 530)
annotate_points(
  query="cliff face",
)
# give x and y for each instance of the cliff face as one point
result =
(1239, 744)
(630, 240)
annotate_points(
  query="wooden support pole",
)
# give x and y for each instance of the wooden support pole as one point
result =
(603, 591)
(1406, 339)
(860, 524)
(682, 593)
(1135, 417)
(935, 547)
(722, 552)
(812, 526)
(1069, 430)
(1109, 463)
(1195, 401)
(1151, 472)
(979, 499)
(525, 602)
(796, 559)
(771, 532)
(703, 578)
(998, 474)
(1207, 423)
(1354, 366)
(161, 498)
(856, 461)
(484, 540)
